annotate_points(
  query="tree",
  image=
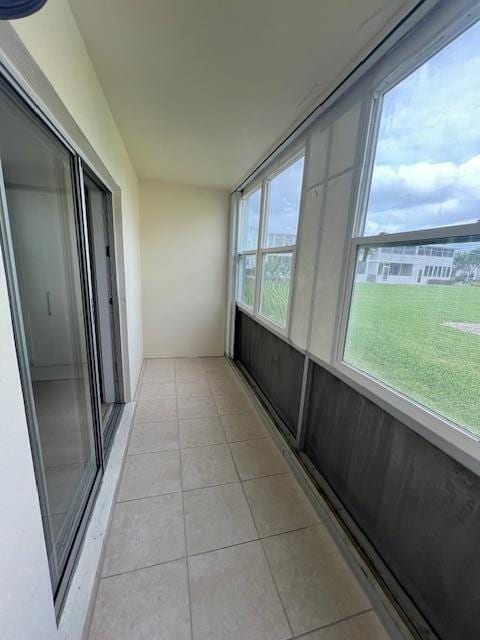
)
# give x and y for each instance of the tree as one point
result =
(468, 262)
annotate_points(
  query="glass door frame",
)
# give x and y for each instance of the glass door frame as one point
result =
(29, 108)
(87, 174)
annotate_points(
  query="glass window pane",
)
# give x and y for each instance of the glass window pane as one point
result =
(40, 208)
(427, 162)
(284, 206)
(415, 325)
(247, 266)
(249, 221)
(276, 273)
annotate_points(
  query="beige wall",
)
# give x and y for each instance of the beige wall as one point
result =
(54, 41)
(184, 256)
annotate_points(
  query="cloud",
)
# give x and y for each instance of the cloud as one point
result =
(433, 115)
(423, 195)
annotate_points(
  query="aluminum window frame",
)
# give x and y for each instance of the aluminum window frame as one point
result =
(261, 251)
(257, 186)
(453, 438)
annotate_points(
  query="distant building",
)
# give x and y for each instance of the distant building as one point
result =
(406, 264)
(273, 239)
(281, 239)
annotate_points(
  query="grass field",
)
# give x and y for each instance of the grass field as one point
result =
(274, 300)
(396, 334)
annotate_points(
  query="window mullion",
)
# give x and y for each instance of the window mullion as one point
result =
(261, 230)
(423, 235)
(286, 249)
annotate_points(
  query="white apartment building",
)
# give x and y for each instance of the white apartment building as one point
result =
(405, 264)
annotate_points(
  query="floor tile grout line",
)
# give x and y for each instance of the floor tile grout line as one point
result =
(277, 589)
(223, 484)
(268, 475)
(145, 453)
(192, 446)
(154, 495)
(333, 624)
(287, 531)
(212, 444)
(261, 545)
(226, 441)
(135, 424)
(204, 446)
(248, 439)
(227, 546)
(156, 421)
(267, 562)
(259, 538)
(194, 397)
(143, 568)
(210, 385)
(189, 591)
(201, 553)
(201, 446)
(212, 486)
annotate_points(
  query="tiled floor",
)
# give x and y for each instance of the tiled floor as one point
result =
(212, 538)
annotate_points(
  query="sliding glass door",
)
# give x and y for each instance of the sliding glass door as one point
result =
(44, 238)
(101, 242)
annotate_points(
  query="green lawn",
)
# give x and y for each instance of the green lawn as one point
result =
(274, 299)
(396, 334)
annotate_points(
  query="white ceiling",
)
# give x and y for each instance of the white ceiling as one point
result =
(201, 89)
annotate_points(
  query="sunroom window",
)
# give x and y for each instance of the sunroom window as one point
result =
(270, 213)
(414, 313)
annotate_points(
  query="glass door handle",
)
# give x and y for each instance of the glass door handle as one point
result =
(49, 306)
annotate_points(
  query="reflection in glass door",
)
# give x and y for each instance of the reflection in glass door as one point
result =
(41, 234)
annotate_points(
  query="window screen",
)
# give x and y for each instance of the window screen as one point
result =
(275, 291)
(414, 315)
(249, 221)
(246, 279)
(416, 327)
